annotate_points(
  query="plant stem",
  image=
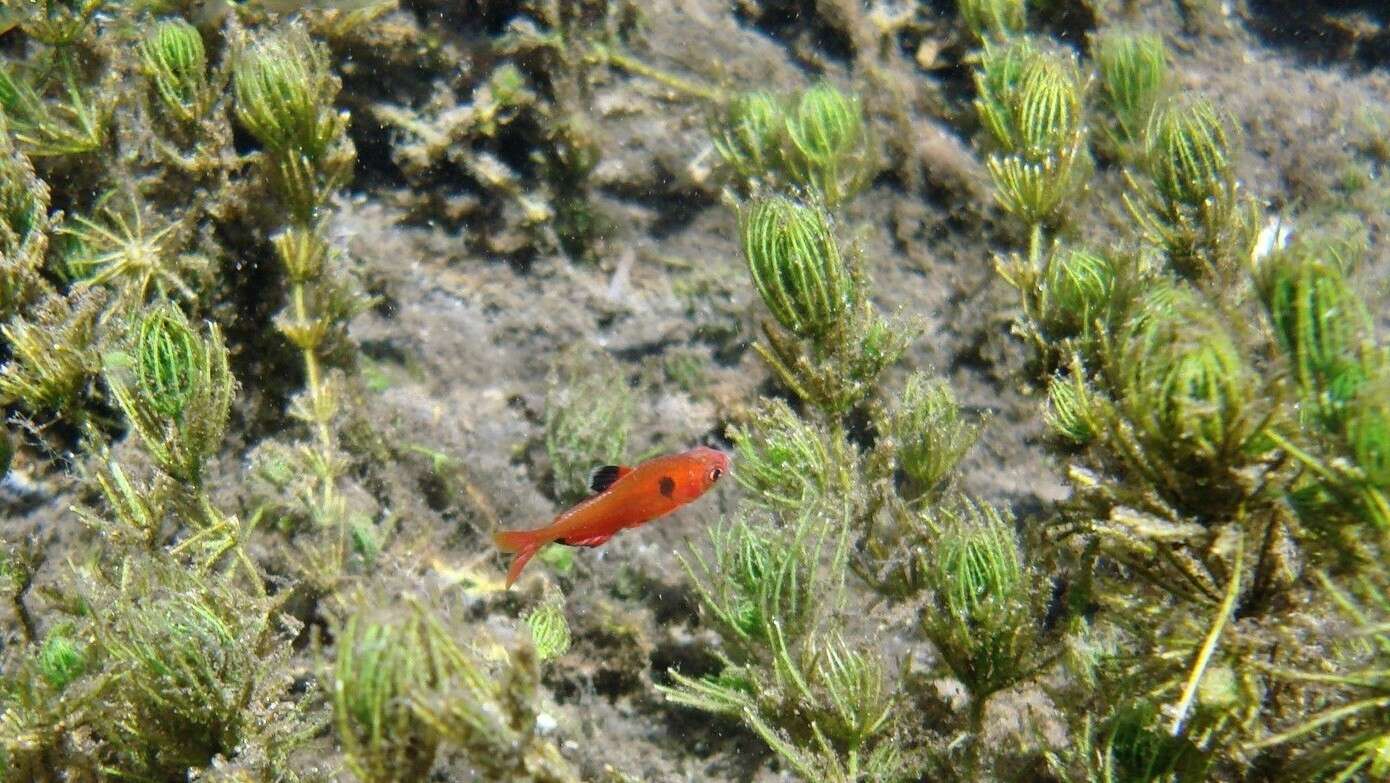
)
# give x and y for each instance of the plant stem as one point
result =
(1199, 666)
(1035, 244)
(635, 66)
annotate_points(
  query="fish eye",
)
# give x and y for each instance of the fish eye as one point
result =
(714, 474)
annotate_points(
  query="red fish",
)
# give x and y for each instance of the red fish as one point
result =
(624, 497)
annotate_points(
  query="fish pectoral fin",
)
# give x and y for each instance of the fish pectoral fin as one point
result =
(595, 540)
(603, 478)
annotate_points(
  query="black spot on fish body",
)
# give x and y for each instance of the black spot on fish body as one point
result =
(668, 486)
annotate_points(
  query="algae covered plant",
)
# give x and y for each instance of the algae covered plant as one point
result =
(1033, 353)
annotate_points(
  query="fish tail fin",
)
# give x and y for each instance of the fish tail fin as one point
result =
(523, 543)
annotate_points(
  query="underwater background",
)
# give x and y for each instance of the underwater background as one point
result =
(1046, 336)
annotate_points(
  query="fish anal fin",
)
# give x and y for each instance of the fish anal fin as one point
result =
(603, 478)
(597, 539)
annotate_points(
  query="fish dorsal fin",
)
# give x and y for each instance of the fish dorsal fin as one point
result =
(604, 477)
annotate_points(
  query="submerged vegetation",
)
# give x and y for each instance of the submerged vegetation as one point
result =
(228, 558)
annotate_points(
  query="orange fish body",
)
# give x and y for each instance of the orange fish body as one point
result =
(625, 497)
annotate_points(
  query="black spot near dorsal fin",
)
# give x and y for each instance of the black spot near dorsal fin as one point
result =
(667, 486)
(604, 477)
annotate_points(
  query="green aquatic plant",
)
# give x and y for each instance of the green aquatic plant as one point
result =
(994, 19)
(184, 668)
(1133, 76)
(1191, 207)
(1188, 152)
(1368, 432)
(760, 583)
(53, 355)
(929, 435)
(550, 631)
(748, 133)
(175, 62)
(1076, 293)
(488, 711)
(1186, 388)
(783, 461)
(832, 345)
(795, 264)
(986, 620)
(73, 124)
(1321, 324)
(1131, 745)
(118, 250)
(1029, 101)
(284, 97)
(1349, 738)
(817, 142)
(180, 397)
(829, 150)
(24, 200)
(193, 673)
(62, 659)
(58, 23)
(379, 669)
(824, 706)
(588, 418)
(1070, 412)
(285, 91)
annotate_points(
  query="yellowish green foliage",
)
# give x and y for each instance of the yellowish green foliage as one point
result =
(588, 417)
(550, 632)
(175, 62)
(53, 355)
(1133, 70)
(994, 19)
(1191, 207)
(180, 396)
(1029, 99)
(402, 689)
(817, 141)
(795, 263)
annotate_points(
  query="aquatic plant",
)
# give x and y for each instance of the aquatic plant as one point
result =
(24, 200)
(784, 462)
(53, 356)
(550, 631)
(180, 396)
(588, 418)
(73, 124)
(1321, 324)
(748, 133)
(823, 706)
(155, 671)
(1133, 71)
(795, 263)
(175, 62)
(985, 622)
(929, 435)
(835, 345)
(829, 149)
(1191, 208)
(1029, 101)
(1349, 736)
(486, 710)
(61, 659)
(994, 19)
(58, 23)
(379, 668)
(284, 89)
(117, 250)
